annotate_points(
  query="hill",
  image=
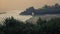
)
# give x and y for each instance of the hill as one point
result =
(42, 11)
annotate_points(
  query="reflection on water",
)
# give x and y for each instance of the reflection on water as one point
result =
(15, 14)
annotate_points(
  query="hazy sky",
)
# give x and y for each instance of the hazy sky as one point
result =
(23, 4)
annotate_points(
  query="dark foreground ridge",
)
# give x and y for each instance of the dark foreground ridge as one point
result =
(13, 26)
(44, 10)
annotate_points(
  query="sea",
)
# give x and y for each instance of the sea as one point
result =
(15, 14)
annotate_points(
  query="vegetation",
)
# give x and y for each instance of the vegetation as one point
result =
(13, 26)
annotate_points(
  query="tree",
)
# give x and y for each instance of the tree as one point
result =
(12, 26)
(50, 27)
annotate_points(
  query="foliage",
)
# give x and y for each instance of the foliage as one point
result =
(50, 27)
(13, 26)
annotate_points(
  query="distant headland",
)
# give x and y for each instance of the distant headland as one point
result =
(2, 12)
(55, 9)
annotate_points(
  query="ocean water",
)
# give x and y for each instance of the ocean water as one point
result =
(15, 14)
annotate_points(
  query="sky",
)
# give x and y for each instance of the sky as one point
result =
(23, 4)
(12, 5)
